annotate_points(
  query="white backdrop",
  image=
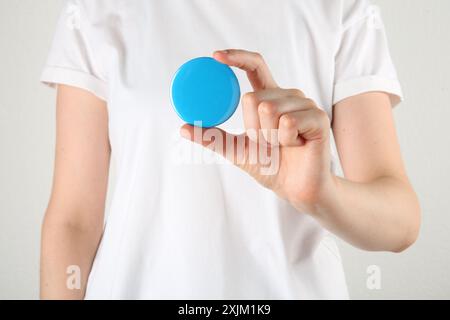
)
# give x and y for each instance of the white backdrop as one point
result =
(420, 45)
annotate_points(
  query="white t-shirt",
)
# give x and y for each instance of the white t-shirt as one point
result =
(182, 223)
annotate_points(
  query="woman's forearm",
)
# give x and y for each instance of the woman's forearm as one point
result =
(68, 250)
(382, 215)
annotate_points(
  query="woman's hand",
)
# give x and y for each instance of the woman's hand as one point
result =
(375, 208)
(282, 124)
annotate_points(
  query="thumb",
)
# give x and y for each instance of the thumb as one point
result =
(229, 146)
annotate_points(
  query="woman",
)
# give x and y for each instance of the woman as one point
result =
(194, 229)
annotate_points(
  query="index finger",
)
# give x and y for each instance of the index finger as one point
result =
(253, 63)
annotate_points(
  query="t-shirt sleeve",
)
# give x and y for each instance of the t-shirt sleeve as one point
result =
(72, 60)
(363, 62)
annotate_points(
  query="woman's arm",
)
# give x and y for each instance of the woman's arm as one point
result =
(73, 223)
(374, 207)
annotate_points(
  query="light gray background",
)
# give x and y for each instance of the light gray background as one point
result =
(420, 45)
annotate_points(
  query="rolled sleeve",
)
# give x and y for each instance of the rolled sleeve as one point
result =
(363, 62)
(53, 76)
(72, 58)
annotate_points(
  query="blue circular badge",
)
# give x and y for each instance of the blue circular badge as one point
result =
(205, 92)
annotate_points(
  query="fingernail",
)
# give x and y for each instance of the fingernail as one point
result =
(224, 51)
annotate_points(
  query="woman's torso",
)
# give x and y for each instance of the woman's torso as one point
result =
(182, 223)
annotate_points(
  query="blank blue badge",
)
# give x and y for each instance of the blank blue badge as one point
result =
(205, 92)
